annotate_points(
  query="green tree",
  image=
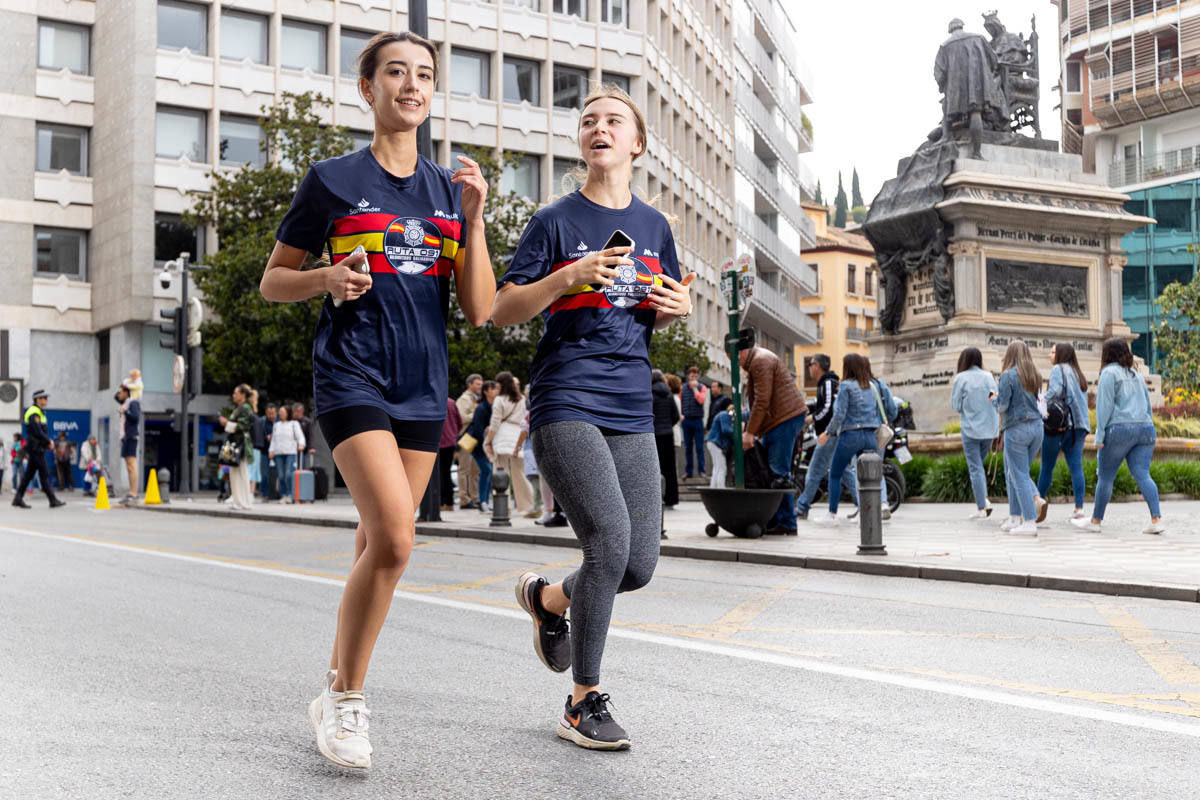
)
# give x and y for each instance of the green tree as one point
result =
(818, 198)
(859, 213)
(856, 198)
(676, 348)
(268, 345)
(839, 205)
(1177, 335)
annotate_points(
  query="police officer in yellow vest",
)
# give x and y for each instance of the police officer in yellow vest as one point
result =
(37, 443)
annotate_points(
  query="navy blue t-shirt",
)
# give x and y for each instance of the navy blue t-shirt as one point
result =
(388, 348)
(592, 363)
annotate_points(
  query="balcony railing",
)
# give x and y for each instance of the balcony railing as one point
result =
(767, 240)
(1153, 167)
(772, 301)
(1146, 90)
(764, 121)
(764, 177)
(788, 101)
(856, 334)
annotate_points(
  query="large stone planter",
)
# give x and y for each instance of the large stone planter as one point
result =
(743, 512)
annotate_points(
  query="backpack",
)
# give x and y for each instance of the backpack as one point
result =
(1059, 418)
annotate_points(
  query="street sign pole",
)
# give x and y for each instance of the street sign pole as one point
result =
(185, 474)
(737, 282)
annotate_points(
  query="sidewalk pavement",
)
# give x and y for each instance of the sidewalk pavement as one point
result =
(924, 540)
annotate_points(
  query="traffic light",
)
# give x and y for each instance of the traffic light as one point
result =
(176, 329)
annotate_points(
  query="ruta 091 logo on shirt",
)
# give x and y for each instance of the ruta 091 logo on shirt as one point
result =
(412, 245)
(632, 285)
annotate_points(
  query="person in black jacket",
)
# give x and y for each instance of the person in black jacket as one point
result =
(478, 428)
(719, 402)
(821, 413)
(666, 416)
(37, 442)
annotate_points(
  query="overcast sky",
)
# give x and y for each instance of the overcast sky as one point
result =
(874, 95)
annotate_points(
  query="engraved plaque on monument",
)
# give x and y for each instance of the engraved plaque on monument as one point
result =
(1025, 287)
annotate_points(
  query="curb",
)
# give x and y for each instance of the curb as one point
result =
(895, 569)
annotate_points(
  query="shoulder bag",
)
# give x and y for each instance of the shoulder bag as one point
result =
(1059, 418)
(884, 433)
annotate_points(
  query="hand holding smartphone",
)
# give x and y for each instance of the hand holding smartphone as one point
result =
(364, 268)
(618, 239)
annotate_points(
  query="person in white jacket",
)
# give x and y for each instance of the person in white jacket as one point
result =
(287, 441)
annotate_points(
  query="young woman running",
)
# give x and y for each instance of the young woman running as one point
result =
(1066, 378)
(1016, 400)
(380, 362)
(591, 419)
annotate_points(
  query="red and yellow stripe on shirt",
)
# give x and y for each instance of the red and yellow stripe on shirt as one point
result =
(582, 295)
(369, 229)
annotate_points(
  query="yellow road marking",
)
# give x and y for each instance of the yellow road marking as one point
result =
(1171, 665)
(499, 577)
(740, 616)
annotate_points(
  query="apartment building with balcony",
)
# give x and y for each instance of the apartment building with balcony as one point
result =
(845, 305)
(770, 182)
(115, 110)
(1130, 92)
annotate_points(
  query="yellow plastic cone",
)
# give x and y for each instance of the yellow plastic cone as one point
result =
(102, 496)
(152, 498)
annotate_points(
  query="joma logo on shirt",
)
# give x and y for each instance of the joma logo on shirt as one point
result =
(650, 253)
(437, 212)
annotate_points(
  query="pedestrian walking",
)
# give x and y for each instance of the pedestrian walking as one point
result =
(258, 440)
(820, 370)
(238, 426)
(1016, 400)
(37, 445)
(451, 428)
(380, 357)
(468, 470)
(692, 397)
(502, 441)
(531, 472)
(718, 402)
(591, 416)
(17, 459)
(64, 460)
(269, 480)
(971, 397)
(1124, 432)
(719, 443)
(666, 417)
(131, 416)
(1067, 392)
(287, 442)
(89, 462)
(480, 421)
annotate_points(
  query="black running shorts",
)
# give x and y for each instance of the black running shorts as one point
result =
(340, 424)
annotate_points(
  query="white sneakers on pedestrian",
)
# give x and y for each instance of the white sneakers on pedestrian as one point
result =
(1010, 523)
(982, 513)
(1085, 523)
(1024, 528)
(825, 520)
(340, 721)
(1078, 514)
(1155, 527)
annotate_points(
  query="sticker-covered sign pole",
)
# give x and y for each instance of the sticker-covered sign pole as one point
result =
(737, 283)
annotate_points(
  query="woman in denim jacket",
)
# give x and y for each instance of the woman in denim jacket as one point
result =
(971, 397)
(1016, 400)
(1124, 432)
(856, 415)
(1066, 376)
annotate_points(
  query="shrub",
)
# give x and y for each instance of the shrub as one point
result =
(1178, 427)
(1190, 410)
(952, 427)
(914, 474)
(949, 481)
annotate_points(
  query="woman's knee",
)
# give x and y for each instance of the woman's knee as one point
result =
(391, 546)
(637, 575)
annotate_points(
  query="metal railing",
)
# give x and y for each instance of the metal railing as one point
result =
(788, 101)
(1108, 87)
(768, 183)
(856, 334)
(764, 121)
(1152, 167)
(776, 304)
(782, 255)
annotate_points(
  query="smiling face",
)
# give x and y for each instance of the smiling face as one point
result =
(608, 136)
(401, 88)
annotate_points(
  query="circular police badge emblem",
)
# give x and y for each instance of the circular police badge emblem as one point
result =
(412, 245)
(632, 285)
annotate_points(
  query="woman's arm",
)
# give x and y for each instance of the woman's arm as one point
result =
(956, 393)
(1105, 395)
(475, 280)
(1056, 381)
(1004, 395)
(517, 303)
(284, 281)
(839, 415)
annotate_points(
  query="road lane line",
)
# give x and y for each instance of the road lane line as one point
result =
(1171, 665)
(964, 691)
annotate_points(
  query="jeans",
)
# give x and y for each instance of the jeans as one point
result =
(693, 440)
(849, 444)
(285, 468)
(485, 474)
(1071, 445)
(818, 468)
(781, 443)
(975, 450)
(718, 465)
(1133, 443)
(1021, 443)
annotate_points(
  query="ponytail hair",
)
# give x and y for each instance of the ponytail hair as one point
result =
(251, 396)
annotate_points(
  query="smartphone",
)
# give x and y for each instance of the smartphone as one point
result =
(618, 239)
(364, 268)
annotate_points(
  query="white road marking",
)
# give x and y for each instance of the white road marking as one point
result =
(778, 659)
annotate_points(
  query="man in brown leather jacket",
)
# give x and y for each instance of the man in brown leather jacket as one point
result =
(777, 410)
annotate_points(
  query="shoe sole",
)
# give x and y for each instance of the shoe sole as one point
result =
(1045, 509)
(314, 717)
(522, 582)
(574, 736)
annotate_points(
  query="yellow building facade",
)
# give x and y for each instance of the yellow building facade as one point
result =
(845, 306)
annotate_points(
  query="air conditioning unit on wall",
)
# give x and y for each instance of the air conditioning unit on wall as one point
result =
(10, 399)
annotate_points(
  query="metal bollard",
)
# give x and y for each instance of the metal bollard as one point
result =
(164, 484)
(500, 482)
(870, 512)
(662, 510)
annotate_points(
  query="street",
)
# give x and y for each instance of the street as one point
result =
(166, 656)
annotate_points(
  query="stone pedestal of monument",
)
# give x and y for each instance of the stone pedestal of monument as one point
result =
(1036, 255)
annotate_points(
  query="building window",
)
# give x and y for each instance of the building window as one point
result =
(570, 87)
(470, 72)
(180, 132)
(562, 166)
(241, 141)
(1074, 77)
(352, 43)
(60, 251)
(182, 25)
(616, 79)
(244, 36)
(532, 5)
(105, 360)
(303, 46)
(869, 283)
(522, 81)
(172, 237)
(851, 279)
(62, 147)
(522, 175)
(64, 46)
(614, 12)
(576, 8)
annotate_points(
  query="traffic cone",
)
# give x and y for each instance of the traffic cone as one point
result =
(102, 496)
(152, 498)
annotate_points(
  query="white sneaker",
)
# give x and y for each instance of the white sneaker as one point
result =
(982, 513)
(885, 514)
(1025, 528)
(1085, 523)
(340, 721)
(1010, 523)
(1078, 515)
(1155, 527)
(825, 520)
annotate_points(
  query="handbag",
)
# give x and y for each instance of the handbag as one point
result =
(231, 453)
(467, 443)
(1059, 418)
(884, 433)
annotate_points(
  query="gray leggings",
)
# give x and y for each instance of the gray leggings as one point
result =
(608, 486)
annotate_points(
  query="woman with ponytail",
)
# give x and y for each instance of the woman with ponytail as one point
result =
(237, 427)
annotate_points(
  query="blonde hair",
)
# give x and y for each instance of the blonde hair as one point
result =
(1018, 355)
(250, 394)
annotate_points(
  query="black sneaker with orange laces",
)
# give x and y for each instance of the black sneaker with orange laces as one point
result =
(589, 724)
(551, 633)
